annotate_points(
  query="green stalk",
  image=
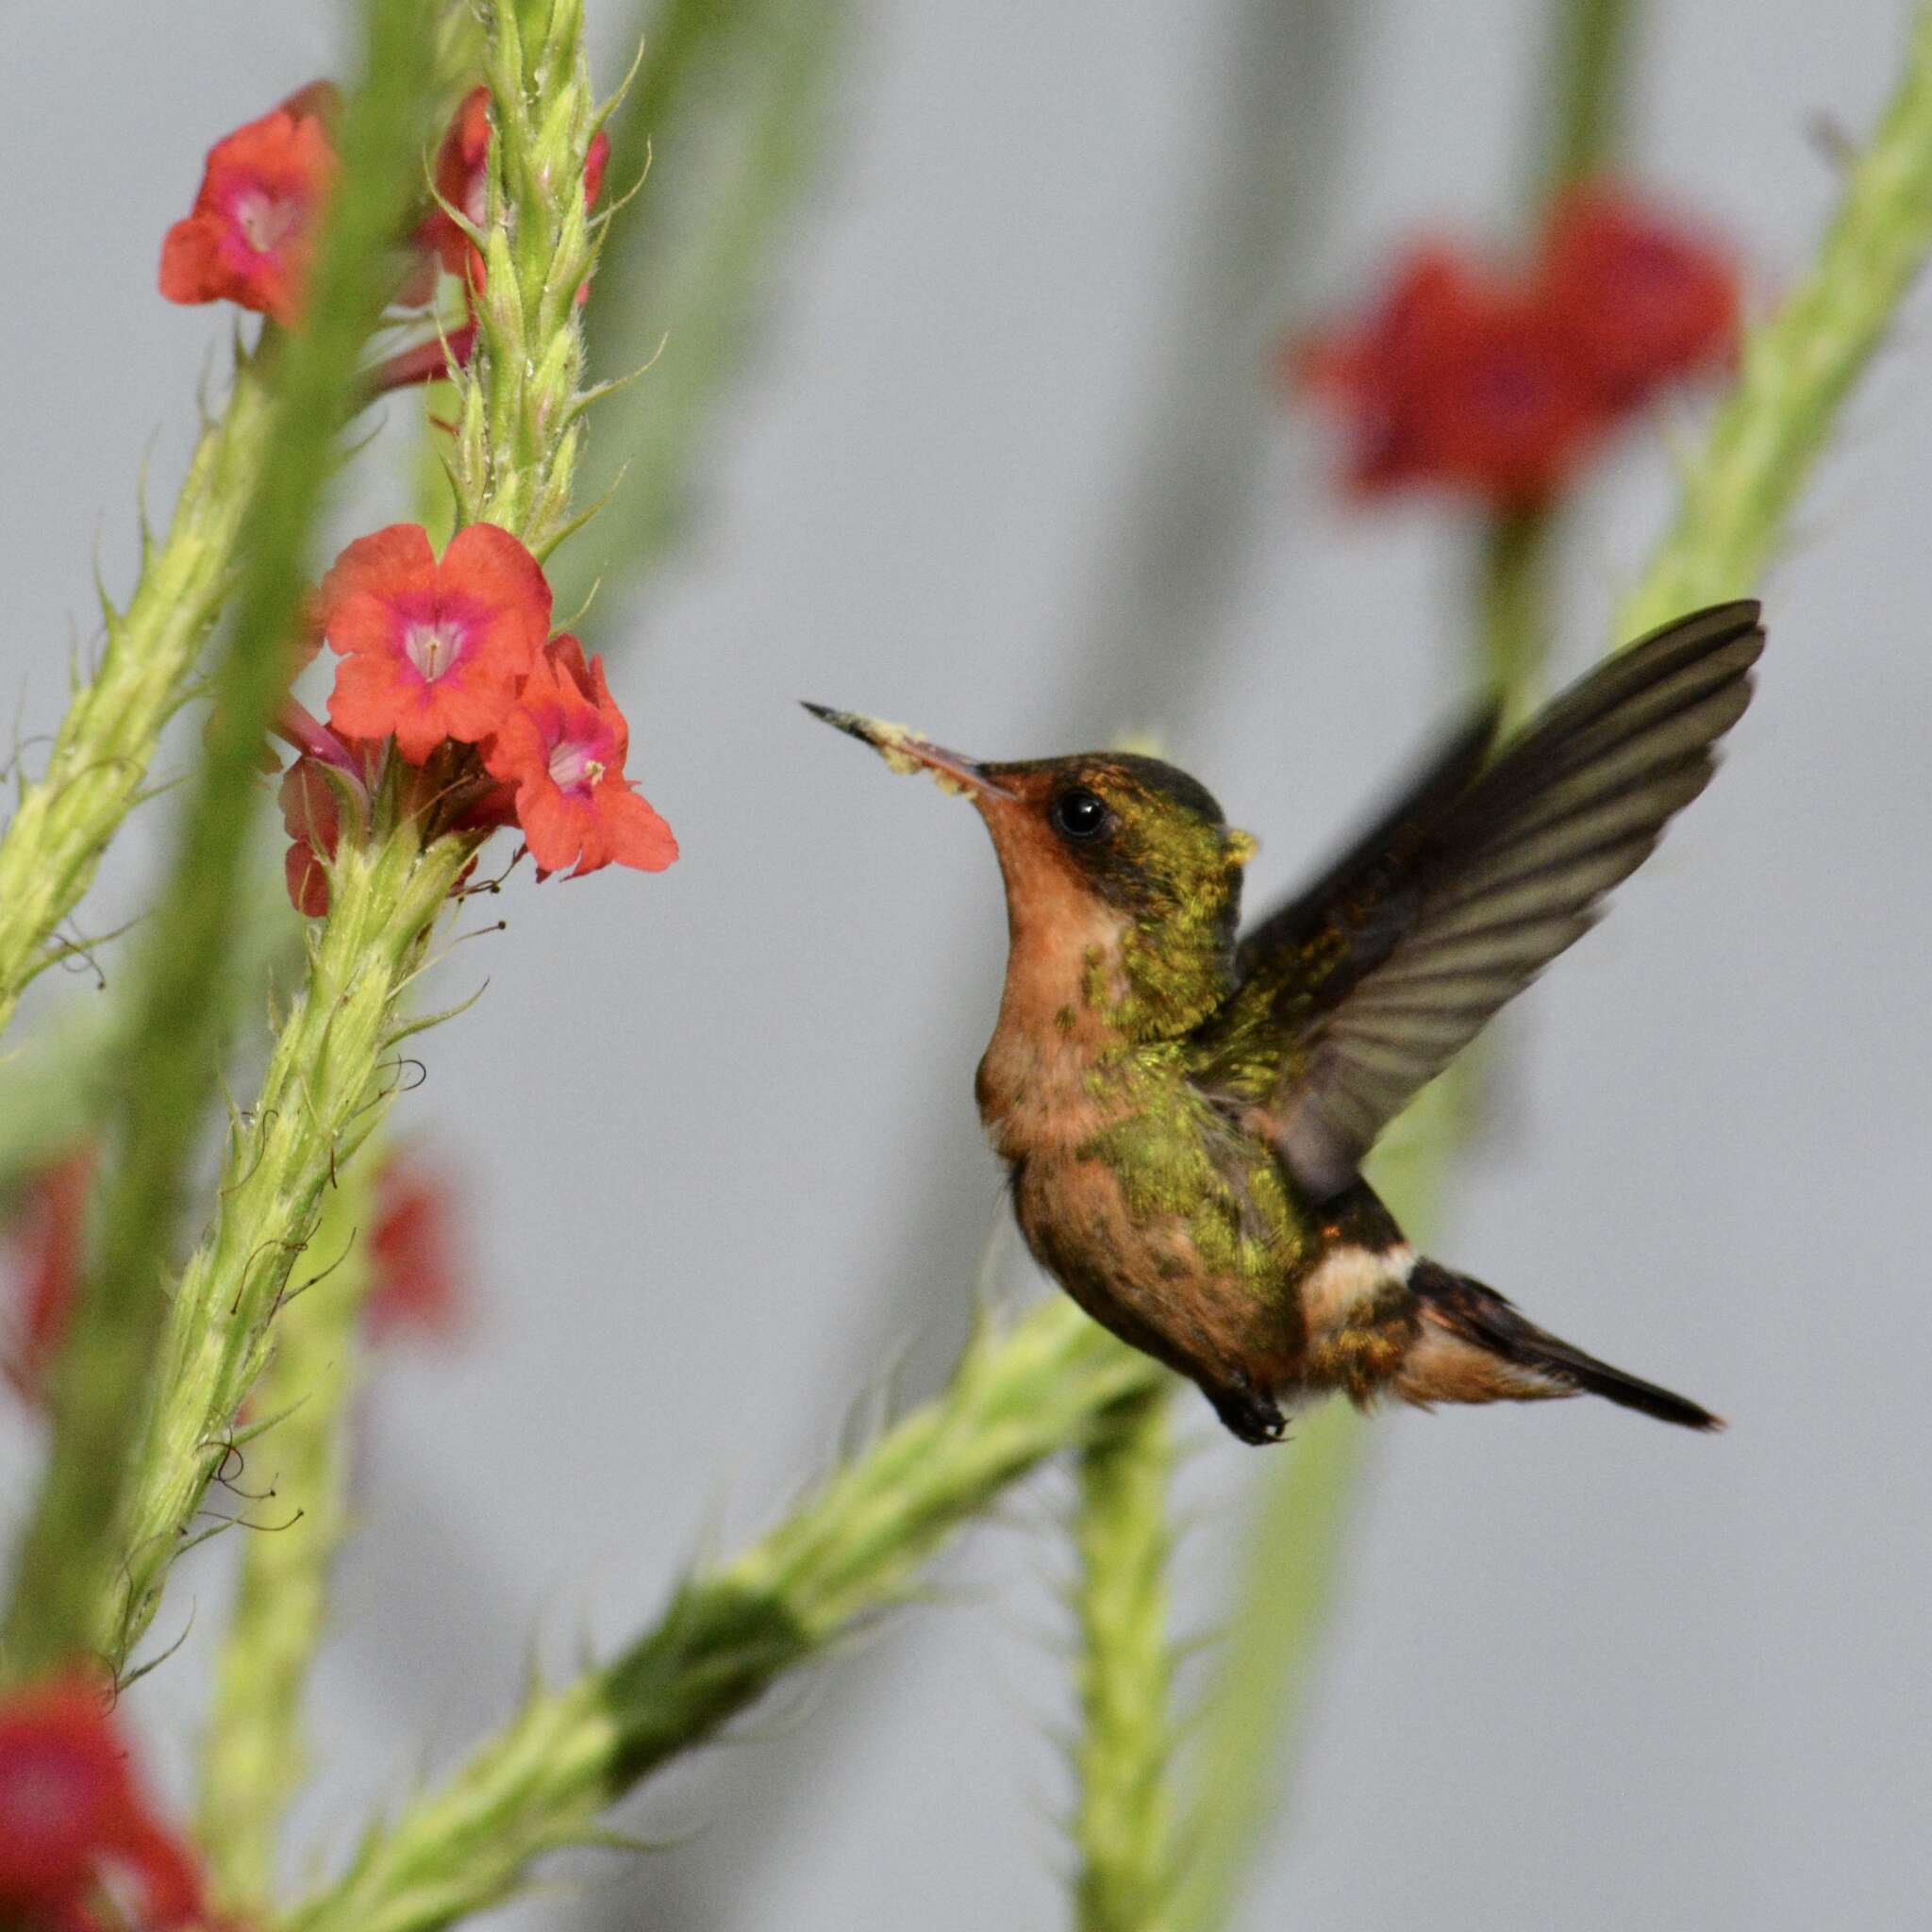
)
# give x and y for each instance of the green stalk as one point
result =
(1586, 69)
(519, 431)
(1737, 497)
(1123, 1829)
(74, 1586)
(1512, 612)
(857, 1547)
(295, 1480)
(330, 1079)
(98, 767)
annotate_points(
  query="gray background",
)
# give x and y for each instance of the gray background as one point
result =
(718, 1125)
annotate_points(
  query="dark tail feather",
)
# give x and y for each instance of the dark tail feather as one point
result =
(1486, 1318)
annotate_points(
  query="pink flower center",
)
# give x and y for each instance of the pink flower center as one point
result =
(265, 221)
(435, 648)
(575, 765)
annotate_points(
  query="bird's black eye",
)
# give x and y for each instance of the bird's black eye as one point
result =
(1080, 813)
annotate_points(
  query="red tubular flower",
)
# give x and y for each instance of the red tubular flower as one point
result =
(1501, 386)
(48, 1250)
(1377, 374)
(1646, 300)
(563, 747)
(70, 1814)
(462, 182)
(432, 650)
(1508, 407)
(424, 362)
(251, 233)
(414, 1250)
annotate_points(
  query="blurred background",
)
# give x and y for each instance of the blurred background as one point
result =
(985, 438)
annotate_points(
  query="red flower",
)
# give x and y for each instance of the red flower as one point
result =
(425, 361)
(251, 231)
(414, 1250)
(1644, 300)
(1508, 407)
(563, 748)
(1501, 385)
(432, 650)
(70, 1814)
(1377, 374)
(48, 1247)
(462, 182)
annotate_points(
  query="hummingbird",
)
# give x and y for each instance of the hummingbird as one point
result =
(1185, 1109)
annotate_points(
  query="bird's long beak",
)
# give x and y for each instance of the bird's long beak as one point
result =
(909, 751)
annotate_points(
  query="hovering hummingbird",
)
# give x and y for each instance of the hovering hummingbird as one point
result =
(1185, 1114)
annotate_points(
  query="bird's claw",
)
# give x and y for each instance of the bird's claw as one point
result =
(1247, 1412)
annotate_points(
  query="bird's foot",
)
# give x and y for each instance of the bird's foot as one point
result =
(1247, 1411)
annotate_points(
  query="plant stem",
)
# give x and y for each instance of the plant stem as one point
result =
(1737, 495)
(1512, 611)
(72, 1591)
(329, 1084)
(98, 767)
(255, 1756)
(1585, 74)
(1123, 1829)
(854, 1550)
(1287, 1582)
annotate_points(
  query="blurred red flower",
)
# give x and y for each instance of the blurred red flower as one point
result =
(1643, 299)
(1501, 385)
(563, 747)
(414, 1251)
(432, 650)
(47, 1253)
(250, 235)
(70, 1815)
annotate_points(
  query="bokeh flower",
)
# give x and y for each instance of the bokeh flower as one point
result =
(433, 648)
(47, 1253)
(414, 1252)
(1500, 384)
(251, 233)
(562, 747)
(72, 1817)
(1644, 299)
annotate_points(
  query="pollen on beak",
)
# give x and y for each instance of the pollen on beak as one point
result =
(906, 751)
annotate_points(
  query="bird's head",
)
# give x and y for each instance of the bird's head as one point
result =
(1104, 851)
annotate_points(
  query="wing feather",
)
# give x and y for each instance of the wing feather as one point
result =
(1478, 879)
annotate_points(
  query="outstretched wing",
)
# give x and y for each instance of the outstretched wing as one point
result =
(1396, 959)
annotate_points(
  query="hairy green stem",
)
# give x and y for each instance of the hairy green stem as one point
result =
(72, 1588)
(853, 1549)
(330, 1079)
(98, 767)
(1124, 1828)
(296, 1481)
(520, 429)
(1738, 494)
